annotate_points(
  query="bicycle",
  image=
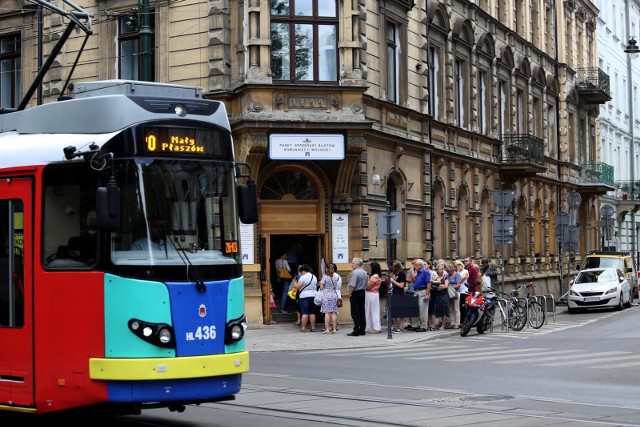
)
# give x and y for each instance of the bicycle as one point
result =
(512, 311)
(535, 311)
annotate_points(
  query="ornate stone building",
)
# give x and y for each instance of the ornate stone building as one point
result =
(427, 108)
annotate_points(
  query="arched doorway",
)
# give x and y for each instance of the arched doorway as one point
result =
(291, 221)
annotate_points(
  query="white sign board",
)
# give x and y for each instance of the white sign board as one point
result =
(292, 146)
(246, 243)
(340, 233)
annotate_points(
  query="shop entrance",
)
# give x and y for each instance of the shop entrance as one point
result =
(300, 249)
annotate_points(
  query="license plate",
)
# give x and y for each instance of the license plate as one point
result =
(589, 299)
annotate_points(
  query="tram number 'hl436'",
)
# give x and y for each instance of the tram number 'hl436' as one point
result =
(202, 333)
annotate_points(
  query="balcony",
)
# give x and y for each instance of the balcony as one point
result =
(521, 156)
(593, 86)
(629, 195)
(596, 178)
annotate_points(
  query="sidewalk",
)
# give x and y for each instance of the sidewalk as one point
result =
(287, 336)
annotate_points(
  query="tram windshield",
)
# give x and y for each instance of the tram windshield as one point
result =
(176, 212)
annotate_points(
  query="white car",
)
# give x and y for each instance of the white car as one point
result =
(599, 288)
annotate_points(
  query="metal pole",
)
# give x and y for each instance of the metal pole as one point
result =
(502, 254)
(146, 47)
(389, 323)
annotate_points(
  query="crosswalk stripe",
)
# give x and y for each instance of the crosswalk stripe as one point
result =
(486, 355)
(547, 356)
(616, 365)
(592, 358)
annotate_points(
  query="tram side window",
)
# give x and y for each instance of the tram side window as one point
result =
(11, 267)
(69, 235)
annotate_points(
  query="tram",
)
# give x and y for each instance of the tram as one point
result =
(121, 282)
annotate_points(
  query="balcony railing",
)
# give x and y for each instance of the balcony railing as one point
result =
(597, 172)
(594, 86)
(522, 149)
(629, 190)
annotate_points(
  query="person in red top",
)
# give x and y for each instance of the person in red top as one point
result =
(473, 275)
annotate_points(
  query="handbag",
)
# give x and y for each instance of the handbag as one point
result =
(453, 292)
(284, 274)
(486, 283)
(319, 296)
(339, 302)
(293, 293)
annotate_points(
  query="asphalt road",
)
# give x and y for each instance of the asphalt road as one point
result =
(582, 369)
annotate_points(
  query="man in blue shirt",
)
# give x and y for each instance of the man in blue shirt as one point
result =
(422, 289)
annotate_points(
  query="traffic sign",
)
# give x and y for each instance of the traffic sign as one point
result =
(503, 199)
(606, 211)
(567, 233)
(503, 224)
(562, 218)
(393, 229)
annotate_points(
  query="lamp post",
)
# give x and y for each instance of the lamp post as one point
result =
(632, 49)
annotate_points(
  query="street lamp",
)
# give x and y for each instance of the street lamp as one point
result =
(632, 46)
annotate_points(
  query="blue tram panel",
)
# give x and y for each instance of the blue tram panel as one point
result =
(199, 318)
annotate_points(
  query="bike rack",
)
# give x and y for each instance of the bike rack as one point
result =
(548, 301)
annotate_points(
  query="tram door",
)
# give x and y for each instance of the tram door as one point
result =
(16, 326)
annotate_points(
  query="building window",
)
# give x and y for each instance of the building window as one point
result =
(460, 94)
(483, 102)
(10, 80)
(130, 48)
(292, 183)
(393, 53)
(521, 117)
(502, 107)
(307, 32)
(435, 89)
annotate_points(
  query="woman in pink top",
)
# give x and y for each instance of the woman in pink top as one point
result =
(372, 300)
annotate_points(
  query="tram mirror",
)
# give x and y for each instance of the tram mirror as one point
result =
(108, 207)
(247, 202)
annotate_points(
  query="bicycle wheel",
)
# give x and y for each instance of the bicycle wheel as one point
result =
(536, 315)
(517, 317)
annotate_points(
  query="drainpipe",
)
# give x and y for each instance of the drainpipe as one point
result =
(632, 155)
(559, 192)
(40, 53)
(146, 47)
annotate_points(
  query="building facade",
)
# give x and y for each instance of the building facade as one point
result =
(475, 123)
(620, 120)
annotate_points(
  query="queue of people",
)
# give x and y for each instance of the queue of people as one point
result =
(441, 294)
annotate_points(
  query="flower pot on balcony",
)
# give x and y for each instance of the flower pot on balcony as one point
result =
(625, 196)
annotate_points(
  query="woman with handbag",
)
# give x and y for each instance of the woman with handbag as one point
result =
(329, 285)
(307, 287)
(398, 280)
(284, 277)
(454, 296)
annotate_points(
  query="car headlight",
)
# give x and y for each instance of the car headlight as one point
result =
(573, 293)
(613, 290)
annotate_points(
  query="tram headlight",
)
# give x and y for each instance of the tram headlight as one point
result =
(235, 330)
(180, 110)
(159, 334)
(165, 336)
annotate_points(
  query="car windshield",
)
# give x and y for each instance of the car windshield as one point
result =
(596, 276)
(602, 262)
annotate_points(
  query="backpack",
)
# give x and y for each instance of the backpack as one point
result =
(384, 288)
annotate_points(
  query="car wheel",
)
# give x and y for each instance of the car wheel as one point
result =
(572, 310)
(628, 303)
(620, 306)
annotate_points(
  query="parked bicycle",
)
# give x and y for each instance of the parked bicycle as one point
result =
(513, 310)
(535, 311)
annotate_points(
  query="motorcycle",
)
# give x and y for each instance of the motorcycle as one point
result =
(480, 312)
